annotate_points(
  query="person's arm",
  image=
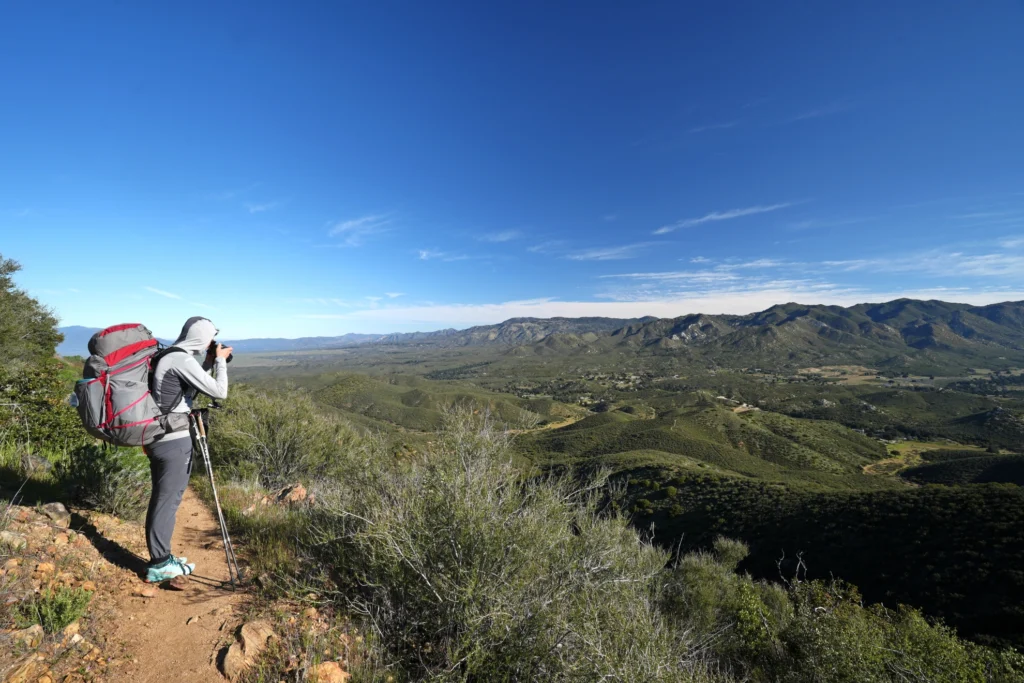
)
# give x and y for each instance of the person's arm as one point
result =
(214, 387)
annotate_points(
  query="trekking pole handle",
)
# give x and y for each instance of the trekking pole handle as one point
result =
(199, 425)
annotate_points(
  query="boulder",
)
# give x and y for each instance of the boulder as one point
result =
(328, 672)
(58, 514)
(252, 640)
(294, 493)
(12, 540)
(29, 637)
(26, 670)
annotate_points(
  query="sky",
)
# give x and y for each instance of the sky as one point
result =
(318, 168)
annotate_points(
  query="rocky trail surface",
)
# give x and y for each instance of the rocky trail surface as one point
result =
(132, 631)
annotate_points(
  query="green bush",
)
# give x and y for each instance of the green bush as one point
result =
(34, 409)
(278, 437)
(812, 631)
(112, 480)
(53, 609)
(467, 572)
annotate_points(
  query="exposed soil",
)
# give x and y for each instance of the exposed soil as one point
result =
(132, 631)
(177, 635)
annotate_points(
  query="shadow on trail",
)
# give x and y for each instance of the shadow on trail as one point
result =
(114, 552)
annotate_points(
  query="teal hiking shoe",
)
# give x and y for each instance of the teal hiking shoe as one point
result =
(168, 569)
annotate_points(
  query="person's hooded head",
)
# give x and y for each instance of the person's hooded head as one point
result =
(196, 335)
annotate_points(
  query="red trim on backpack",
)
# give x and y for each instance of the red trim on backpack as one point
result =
(129, 407)
(108, 401)
(125, 351)
(120, 328)
(128, 367)
(147, 421)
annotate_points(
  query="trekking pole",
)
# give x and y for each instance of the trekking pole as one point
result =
(229, 548)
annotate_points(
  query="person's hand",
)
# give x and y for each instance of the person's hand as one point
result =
(223, 351)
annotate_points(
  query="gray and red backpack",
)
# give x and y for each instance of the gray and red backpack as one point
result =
(115, 400)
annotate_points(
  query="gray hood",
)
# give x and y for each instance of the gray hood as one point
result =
(196, 335)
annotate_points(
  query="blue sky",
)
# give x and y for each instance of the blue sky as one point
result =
(293, 169)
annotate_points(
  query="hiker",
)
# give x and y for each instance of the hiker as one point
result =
(177, 379)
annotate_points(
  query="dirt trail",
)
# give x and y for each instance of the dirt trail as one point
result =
(157, 633)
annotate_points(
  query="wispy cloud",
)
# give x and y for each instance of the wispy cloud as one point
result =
(548, 247)
(715, 216)
(700, 259)
(713, 126)
(394, 295)
(625, 251)
(818, 112)
(434, 254)
(260, 208)
(169, 295)
(354, 232)
(498, 237)
(741, 300)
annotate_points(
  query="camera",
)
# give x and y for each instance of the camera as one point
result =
(213, 349)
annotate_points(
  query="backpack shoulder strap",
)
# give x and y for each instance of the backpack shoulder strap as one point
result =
(154, 360)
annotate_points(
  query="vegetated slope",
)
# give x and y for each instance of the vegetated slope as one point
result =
(978, 470)
(954, 552)
(513, 332)
(902, 333)
(752, 444)
(416, 404)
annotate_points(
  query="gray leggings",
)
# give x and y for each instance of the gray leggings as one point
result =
(170, 463)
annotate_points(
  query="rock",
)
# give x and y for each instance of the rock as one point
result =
(25, 670)
(88, 586)
(328, 672)
(178, 583)
(192, 620)
(45, 568)
(58, 514)
(12, 540)
(11, 564)
(252, 640)
(76, 639)
(146, 591)
(60, 539)
(294, 493)
(310, 613)
(29, 637)
(71, 629)
(45, 678)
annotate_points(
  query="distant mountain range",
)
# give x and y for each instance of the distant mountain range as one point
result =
(894, 333)
(76, 342)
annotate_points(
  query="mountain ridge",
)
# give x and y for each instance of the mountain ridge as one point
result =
(886, 333)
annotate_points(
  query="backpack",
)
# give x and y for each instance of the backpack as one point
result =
(114, 396)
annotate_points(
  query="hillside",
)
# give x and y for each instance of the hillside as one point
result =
(902, 334)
